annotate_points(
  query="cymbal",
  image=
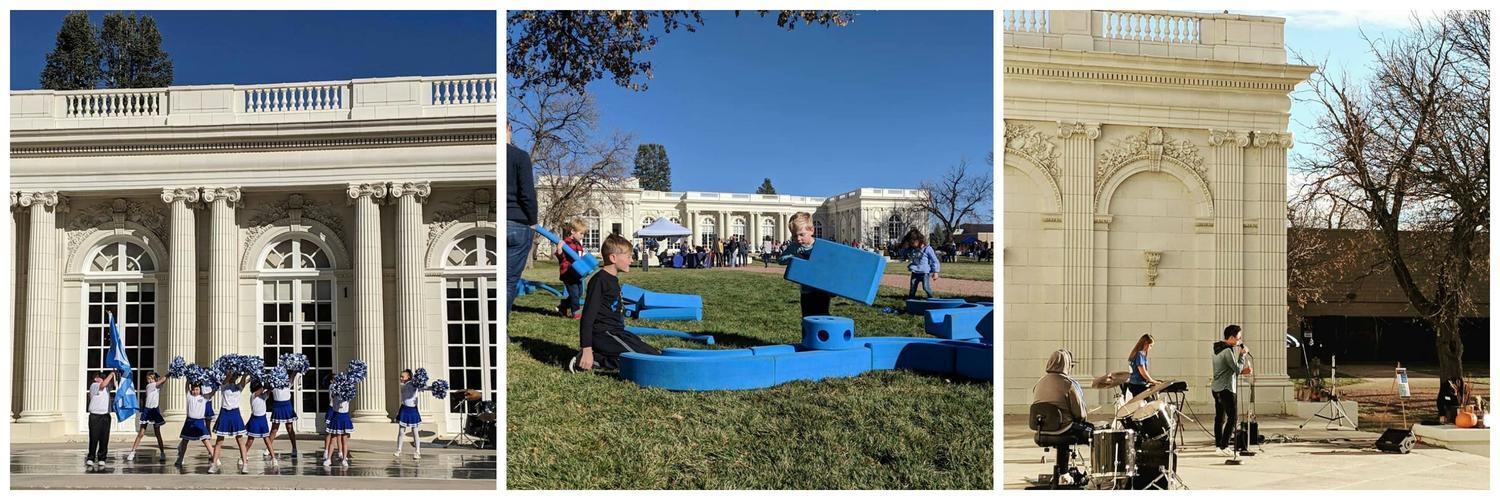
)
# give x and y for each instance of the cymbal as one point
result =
(1155, 389)
(1109, 380)
(472, 395)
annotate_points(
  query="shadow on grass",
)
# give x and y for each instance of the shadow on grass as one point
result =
(549, 353)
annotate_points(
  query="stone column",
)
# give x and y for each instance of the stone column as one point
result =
(411, 245)
(1076, 168)
(40, 390)
(1228, 171)
(369, 338)
(182, 285)
(1269, 299)
(693, 228)
(223, 277)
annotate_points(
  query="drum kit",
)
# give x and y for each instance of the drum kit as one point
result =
(1137, 448)
(482, 423)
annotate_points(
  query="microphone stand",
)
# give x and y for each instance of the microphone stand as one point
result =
(1235, 460)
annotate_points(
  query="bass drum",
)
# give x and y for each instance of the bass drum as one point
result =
(1114, 457)
(1151, 456)
(1152, 421)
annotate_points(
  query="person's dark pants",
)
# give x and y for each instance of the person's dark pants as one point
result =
(572, 303)
(1225, 414)
(608, 347)
(815, 302)
(98, 437)
(646, 262)
(517, 251)
(1132, 390)
(924, 279)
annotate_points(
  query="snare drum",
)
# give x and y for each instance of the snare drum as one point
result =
(1113, 453)
(1152, 420)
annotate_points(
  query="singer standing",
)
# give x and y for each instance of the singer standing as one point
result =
(1229, 364)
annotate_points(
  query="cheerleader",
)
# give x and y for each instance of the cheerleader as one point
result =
(337, 423)
(282, 412)
(195, 428)
(150, 416)
(259, 427)
(230, 423)
(409, 417)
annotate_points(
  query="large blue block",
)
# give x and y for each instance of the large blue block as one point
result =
(987, 327)
(828, 333)
(646, 299)
(958, 323)
(929, 357)
(524, 287)
(694, 373)
(641, 331)
(818, 365)
(584, 264)
(975, 363)
(919, 306)
(841, 270)
(669, 314)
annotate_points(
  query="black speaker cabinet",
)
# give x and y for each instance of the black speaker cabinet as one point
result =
(1396, 441)
(1247, 434)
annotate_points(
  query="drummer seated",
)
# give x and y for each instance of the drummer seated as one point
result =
(1058, 414)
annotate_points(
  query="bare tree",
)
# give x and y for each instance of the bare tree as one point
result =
(575, 172)
(959, 196)
(1408, 152)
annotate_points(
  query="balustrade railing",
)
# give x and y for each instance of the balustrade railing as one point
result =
(1026, 21)
(114, 103)
(463, 90)
(1147, 26)
(315, 96)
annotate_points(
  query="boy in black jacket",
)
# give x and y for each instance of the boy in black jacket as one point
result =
(601, 332)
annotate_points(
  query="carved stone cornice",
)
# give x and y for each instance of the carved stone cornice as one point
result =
(1067, 130)
(1276, 139)
(419, 190)
(374, 190)
(1154, 146)
(113, 215)
(1220, 137)
(249, 146)
(478, 207)
(1032, 144)
(188, 196)
(230, 195)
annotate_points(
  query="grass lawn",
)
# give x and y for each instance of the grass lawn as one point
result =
(882, 430)
(962, 270)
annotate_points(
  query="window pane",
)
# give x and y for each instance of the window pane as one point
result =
(283, 312)
(471, 310)
(471, 333)
(455, 333)
(283, 290)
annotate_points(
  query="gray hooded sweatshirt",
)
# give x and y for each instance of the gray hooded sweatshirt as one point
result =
(1058, 388)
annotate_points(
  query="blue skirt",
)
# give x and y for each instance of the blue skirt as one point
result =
(339, 423)
(408, 416)
(152, 416)
(258, 426)
(282, 412)
(230, 423)
(194, 429)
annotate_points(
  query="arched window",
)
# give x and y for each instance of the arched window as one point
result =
(894, 228)
(471, 326)
(738, 228)
(591, 235)
(297, 313)
(473, 251)
(767, 229)
(675, 220)
(817, 229)
(120, 280)
(647, 221)
(706, 231)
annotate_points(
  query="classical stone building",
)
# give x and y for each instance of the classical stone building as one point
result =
(1145, 174)
(348, 219)
(871, 216)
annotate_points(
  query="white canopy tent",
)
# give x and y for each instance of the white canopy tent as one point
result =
(663, 228)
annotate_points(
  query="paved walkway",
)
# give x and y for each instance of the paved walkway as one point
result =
(1312, 459)
(60, 466)
(943, 286)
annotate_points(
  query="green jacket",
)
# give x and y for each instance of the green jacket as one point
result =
(1228, 362)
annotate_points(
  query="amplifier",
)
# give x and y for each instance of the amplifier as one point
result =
(1396, 441)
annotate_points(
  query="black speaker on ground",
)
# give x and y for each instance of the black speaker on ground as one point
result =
(1396, 441)
(1248, 434)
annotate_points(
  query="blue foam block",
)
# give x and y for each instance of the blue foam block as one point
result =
(922, 356)
(975, 363)
(646, 299)
(668, 314)
(693, 373)
(919, 306)
(641, 330)
(841, 270)
(524, 287)
(584, 264)
(987, 327)
(958, 323)
(828, 333)
(818, 365)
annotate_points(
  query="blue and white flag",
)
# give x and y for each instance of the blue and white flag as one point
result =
(125, 404)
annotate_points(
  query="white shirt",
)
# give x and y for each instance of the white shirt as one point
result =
(98, 399)
(197, 404)
(340, 406)
(281, 394)
(231, 394)
(258, 405)
(408, 395)
(153, 395)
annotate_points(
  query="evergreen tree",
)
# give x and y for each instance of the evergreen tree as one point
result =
(766, 187)
(73, 63)
(652, 167)
(131, 53)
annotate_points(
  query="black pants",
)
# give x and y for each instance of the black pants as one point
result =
(1135, 390)
(1225, 414)
(608, 347)
(98, 437)
(815, 302)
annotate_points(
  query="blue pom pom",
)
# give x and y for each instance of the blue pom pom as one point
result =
(342, 387)
(178, 368)
(440, 389)
(276, 378)
(253, 365)
(419, 379)
(358, 370)
(294, 362)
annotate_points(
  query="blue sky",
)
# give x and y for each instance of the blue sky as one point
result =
(209, 47)
(890, 100)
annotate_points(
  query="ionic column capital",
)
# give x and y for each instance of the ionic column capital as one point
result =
(372, 190)
(1273, 139)
(42, 198)
(1221, 137)
(185, 195)
(1067, 130)
(418, 190)
(230, 194)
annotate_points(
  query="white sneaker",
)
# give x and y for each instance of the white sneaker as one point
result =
(89, 462)
(573, 365)
(397, 454)
(274, 462)
(130, 457)
(242, 462)
(325, 462)
(265, 453)
(1223, 452)
(416, 456)
(213, 469)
